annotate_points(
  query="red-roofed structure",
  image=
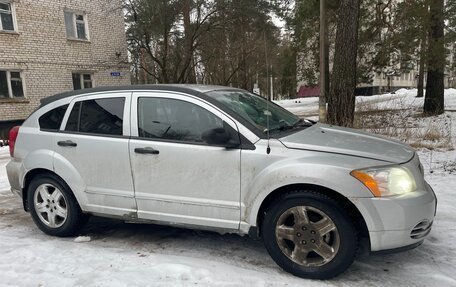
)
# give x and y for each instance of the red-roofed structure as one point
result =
(306, 92)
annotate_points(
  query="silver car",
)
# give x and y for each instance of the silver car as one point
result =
(221, 159)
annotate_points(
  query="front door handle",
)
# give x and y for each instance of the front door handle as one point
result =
(146, 150)
(67, 143)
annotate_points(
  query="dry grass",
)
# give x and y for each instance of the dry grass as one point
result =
(408, 126)
(449, 167)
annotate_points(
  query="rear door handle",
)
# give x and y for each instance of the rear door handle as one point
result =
(146, 150)
(67, 143)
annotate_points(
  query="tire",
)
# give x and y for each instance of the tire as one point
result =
(310, 235)
(53, 207)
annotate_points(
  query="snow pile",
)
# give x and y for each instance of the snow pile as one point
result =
(400, 100)
(404, 99)
(4, 157)
(81, 239)
(301, 107)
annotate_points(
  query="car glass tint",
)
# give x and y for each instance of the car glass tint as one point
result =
(52, 119)
(172, 119)
(103, 116)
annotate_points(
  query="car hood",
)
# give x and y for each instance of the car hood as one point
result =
(340, 140)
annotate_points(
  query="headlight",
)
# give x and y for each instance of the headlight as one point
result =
(383, 182)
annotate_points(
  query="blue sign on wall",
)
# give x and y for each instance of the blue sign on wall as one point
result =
(116, 74)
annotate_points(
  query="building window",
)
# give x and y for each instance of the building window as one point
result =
(82, 81)
(76, 25)
(11, 85)
(6, 16)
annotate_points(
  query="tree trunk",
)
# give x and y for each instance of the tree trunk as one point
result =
(389, 83)
(434, 100)
(327, 73)
(189, 62)
(142, 73)
(341, 102)
(324, 62)
(421, 69)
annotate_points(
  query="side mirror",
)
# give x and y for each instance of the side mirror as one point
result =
(220, 137)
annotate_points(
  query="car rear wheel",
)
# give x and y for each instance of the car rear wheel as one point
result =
(310, 235)
(53, 207)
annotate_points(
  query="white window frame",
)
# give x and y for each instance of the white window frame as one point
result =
(81, 78)
(75, 21)
(8, 82)
(13, 13)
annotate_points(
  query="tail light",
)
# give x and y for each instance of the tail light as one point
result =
(12, 139)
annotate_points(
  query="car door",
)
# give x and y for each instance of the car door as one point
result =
(179, 178)
(93, 145)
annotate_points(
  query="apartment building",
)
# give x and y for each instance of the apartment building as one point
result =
(52, 46)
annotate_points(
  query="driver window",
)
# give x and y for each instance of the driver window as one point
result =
(174, 120)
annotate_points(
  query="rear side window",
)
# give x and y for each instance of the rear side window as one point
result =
(101, 116)
(53, 119)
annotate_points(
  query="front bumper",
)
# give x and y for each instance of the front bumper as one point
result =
(400, 249)
(398, 221)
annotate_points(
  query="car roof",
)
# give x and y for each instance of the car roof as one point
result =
(193, 89)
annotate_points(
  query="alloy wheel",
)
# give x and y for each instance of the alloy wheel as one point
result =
(307, 236)
(50, 205)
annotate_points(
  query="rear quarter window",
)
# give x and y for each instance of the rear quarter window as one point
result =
(53, 119)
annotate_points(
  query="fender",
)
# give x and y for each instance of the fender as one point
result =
(49, 160)
(322, 169)
(41, 158)
(63, 168)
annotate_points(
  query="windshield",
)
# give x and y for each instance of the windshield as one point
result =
(254, 109)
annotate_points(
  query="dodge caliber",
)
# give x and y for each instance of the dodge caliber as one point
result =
(221, 159)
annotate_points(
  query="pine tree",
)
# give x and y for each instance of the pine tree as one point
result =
(434, 100)
(341, 102)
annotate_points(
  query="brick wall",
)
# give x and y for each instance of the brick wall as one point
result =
(41, 51)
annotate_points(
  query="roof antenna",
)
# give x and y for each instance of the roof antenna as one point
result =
(267, 112)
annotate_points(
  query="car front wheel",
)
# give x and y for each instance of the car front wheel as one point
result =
(310, 235)
(53, 206)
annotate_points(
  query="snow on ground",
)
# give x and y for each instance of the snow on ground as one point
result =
(401, 99)
(397, 115)
(113, 253)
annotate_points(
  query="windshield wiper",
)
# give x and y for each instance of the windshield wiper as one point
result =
(304, 123)
(299, 123)
(282, 126)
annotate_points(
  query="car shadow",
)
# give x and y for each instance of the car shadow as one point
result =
(169, 240)
(250, 254)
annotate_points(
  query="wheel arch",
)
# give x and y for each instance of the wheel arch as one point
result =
(354, 212)
(30, 175)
